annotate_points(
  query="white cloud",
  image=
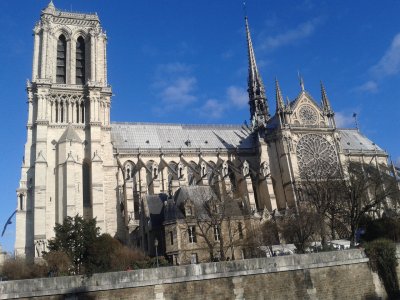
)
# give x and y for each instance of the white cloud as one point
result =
(397, 162)
(370, 86)
(179, 91)
(175, 86)
(172, 68)
(227, 54)
(213, 109)
(389, 64)
(237, 96)
(302, 31)
(344, 120)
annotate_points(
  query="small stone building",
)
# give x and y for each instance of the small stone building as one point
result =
(196, 225)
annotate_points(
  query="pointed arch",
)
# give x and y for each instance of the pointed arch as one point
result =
(129, 169)
(82, 110)
(61, 72)
(80, 64)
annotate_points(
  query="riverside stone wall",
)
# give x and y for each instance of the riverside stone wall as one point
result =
(328, 275)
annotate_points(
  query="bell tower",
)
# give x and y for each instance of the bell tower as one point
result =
(68, 130)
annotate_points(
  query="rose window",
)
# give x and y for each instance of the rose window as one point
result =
(316, 157)
(308, 115)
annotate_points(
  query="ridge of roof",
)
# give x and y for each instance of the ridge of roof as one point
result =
(178, 125)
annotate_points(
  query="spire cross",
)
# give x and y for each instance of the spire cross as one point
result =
(244, 9)
(355, 120)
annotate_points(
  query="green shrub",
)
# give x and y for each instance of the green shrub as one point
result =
(382, 256)
(388, 228)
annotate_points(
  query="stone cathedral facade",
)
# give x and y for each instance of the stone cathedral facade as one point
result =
(77, 161)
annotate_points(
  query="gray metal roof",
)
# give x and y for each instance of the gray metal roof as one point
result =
(176, 136)
(352, 141)
(199, 195)
(155, 205)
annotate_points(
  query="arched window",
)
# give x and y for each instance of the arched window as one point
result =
(21, 202)
(62, 112)
(77, 111)
(57, 119)
(61, 60)
(80, 61)
(82, 112)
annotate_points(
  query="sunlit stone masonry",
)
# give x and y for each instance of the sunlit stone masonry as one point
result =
(144, 181)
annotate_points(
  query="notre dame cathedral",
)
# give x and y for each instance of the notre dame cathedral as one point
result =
(137, 179)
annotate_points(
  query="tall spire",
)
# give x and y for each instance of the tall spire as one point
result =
(325, 101)
(279, 99)
(259, 113)
(301, 81)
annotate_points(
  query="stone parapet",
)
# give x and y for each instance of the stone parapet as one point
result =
(190, 274)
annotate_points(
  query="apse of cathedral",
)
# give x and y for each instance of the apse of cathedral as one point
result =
(140, 180)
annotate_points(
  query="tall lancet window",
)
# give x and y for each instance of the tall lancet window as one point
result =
(61, 59)
(80, 61)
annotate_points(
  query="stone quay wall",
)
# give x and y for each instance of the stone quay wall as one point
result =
(328, 275)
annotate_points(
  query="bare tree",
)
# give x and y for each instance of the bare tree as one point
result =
(343, 200)
(320, 190)
(301, 227)
(367, 190)
(219, 224)
(262, 236)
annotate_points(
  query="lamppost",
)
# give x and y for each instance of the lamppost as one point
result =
(156, 245)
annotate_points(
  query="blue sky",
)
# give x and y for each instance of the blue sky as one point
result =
(186, 62)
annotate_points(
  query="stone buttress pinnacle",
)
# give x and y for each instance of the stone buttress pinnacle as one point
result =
(279, 99)
(259, 113)
(325, 101)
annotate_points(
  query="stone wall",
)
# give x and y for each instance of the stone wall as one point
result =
(328, 275)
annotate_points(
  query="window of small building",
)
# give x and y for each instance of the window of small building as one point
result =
(217, 233)
(192, 234)
(171, 237)
(193, 258)
(240, 230)
(61, 73)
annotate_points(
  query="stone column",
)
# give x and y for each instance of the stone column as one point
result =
(35, 64)
(72, 56)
